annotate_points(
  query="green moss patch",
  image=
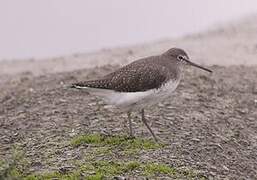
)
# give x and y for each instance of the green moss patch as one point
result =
(13, 168)
(122, 142)
(109, 169)
(102, 157)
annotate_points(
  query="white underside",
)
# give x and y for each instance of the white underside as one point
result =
(131, 101)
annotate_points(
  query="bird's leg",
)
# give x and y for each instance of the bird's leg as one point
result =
(131, 134)
(148, 127)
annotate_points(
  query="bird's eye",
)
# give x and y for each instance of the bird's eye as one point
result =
(179, 57)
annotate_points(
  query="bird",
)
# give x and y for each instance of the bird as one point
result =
(141, 84)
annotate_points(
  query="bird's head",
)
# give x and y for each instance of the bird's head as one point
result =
(180, 57)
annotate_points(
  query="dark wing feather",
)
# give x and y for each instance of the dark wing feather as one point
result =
(136, 77)
(141, 78)
(99, 83)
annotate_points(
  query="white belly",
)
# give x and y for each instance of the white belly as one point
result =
(137, 100)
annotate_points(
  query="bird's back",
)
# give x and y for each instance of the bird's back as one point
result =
(138, 76)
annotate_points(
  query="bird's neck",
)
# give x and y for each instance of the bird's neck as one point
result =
(174, 67)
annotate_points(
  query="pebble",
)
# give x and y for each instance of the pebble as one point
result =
(242, 111)
(161, 105)
(73, 133)
(225, 168)
(213, 174)
(195, 139)
(107, 106)
(171, 107)
(62, 100)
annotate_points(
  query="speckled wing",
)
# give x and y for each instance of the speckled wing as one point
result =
(135, 77)
(138, 78)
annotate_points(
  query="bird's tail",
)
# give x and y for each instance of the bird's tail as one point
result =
(100, 84)
(95, 87)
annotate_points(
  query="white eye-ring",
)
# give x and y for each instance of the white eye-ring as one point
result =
(180, 57)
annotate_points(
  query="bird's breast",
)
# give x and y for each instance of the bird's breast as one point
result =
(167, 88)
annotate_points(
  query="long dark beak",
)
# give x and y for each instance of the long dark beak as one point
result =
(198, 66)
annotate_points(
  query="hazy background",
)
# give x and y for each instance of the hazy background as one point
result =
(46, 28)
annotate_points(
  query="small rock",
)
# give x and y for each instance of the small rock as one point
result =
(62, 100)
(107, 106)
(161, 105)
(242, 111)
(73, 133)
(195, 139)
(213, 174)
(6, 140)
(225, 168)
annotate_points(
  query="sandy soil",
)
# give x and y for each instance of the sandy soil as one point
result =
(209, 124)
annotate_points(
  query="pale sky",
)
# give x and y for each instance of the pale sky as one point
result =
(46, 28)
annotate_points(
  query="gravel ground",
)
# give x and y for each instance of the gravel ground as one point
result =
(209, 124)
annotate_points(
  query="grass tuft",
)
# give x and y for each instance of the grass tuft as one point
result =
(103, 169)
(13, 168)
(95, 177)
(123, 142)
(155, 169)
(108, 169)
